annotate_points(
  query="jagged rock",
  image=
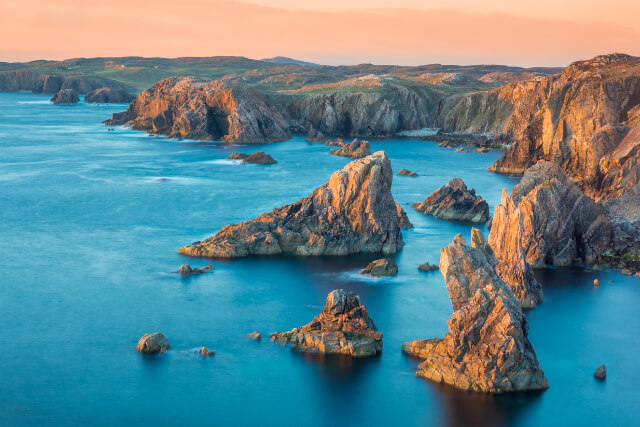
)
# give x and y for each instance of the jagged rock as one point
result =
(406, 172)
(455, 202)
(106, 95)
(185, 107)
(356, 150)
(353, 213)
(381, 267)
(405, 224)
(314, 135)
(205, 352)
(600, 372)
(258, 158)
(554, 221)
(487, 347)
(65, 96)
(343, 327)
(338, 142)
(153, 343)
(427, 267)
(255, 335)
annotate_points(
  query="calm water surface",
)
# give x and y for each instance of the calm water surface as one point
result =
(90, 222)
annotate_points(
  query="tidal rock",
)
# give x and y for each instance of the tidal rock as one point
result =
(455, 202)
(554, 221)
(356, 150)
(381, 267)
(153, 343)
(186, 107)
(343, 327)
(187, 269)
(106, 95)
(487, 347)
(600, 372)
(406, 172)
(353, 213)
(65, 96)
(258, 158)
(427, 267)
(205, 352)
(255, 335)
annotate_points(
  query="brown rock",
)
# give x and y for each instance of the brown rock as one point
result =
(343, 327)
(455, 202)
(258, 158)
(255, 335)
(381, 267)
(353, 213)
(406, 172)
(356, 150)
(428, 267)
(204, 352)
(153, 343)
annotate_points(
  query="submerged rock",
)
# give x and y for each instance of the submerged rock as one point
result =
(255, 335)
(353, 213)
(356, 150)
(455, 202)
(106, 95)
(487, 347)
(258, 158)
(381, 267)
(600, 372)
(427, 267)
(153, 343)
(343, 327)
(65, 96)
(407, 172)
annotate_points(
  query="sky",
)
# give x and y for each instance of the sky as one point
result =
(405, 32)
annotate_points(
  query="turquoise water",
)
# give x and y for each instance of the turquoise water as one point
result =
(89, 233)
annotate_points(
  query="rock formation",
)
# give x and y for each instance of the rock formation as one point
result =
(185, 107)
(65, 96)
(258, 158)
(206, 352)
(343, 327)
(553, 221)
(427, 267)
(255, 335)
(187, 269)
(153, 343)
(106, 95)
(381, 267)
(487, 347)
(455, 202)
(355, 150)
(314, 135)
(354, 212)
(406, 172)
(600, 372)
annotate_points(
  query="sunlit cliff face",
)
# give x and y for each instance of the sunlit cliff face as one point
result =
(410, 34)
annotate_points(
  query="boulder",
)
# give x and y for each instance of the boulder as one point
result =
(600, 372)
(255, 335)
(205, 352)
(343, 327)
(406, 172)
(65, 96)
(596, 282)
(355, 150)
(106, 95)
(487, 347)
(353, 213)
(258, 158)
(427, 267)
(455, 202)
(381, 267)
(153, 343)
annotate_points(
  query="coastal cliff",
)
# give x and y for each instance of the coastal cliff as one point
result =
(19, 80)
(185, 107)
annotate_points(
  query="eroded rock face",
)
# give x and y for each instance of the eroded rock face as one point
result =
(355, 150)
(354, 212)
(153, 343)
(185, 107)
(381, 267)
(455, 202)
(343, 327)
(106, 95)
(65, 96)
(258, 158)
(554, 221)
(487, 347)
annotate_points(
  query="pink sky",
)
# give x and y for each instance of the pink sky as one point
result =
(544, 32)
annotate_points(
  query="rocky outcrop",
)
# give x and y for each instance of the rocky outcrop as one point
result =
(65, 96)
(153, 343)
(455, 202)
(487, 347)
(587, 119)
(353, 213)
(187, 269)
(553, 221)
(406, 172)
(206, 352)
(255, 335)
(427, 267)
(258, 158)
(185, 107)
(355, 150)
(343, 327)
(381, 267)
(106, 95)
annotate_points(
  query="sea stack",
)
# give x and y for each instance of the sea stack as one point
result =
(342, 327)
(353, 213)
(487, 347)
(455, 202)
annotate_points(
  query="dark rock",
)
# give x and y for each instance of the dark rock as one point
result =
(600, 372)
(153, 343)
(455, 202)
(259, 158)
(381, 267)
(65, 96)
(314, 135)
(427, 267)
(106, 95)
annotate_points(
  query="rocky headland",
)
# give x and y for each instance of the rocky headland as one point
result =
(487, 348)
(455, 201)
(107, 95)
(65, 96)
(185, 107)
(355, 150)
(353, 213)
(342, 327)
